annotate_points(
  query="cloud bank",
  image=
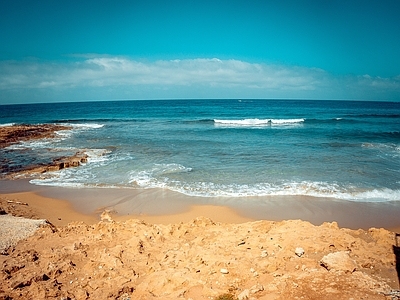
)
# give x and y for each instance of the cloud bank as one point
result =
(103, 77)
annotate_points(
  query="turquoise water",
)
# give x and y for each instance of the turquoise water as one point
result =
(225, 148)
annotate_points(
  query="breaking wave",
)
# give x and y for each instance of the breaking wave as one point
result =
(258, 122)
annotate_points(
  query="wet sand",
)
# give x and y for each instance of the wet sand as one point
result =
(163, 207)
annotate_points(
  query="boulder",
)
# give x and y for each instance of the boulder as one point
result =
(339, 261)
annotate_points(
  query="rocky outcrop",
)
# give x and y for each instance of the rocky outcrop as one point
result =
(17, 133)
(63, 163)
(56, 165)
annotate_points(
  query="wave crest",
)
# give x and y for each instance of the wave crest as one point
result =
(258, 122)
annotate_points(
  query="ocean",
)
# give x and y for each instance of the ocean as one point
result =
(347, 150)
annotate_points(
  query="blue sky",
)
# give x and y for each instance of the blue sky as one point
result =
(97, 50)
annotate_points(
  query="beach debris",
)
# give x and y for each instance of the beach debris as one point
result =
(299, 251)
(224, 271)
(264, 253)
(339, 261)
(241, 243)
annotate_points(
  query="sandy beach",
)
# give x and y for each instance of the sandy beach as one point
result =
(61, 212)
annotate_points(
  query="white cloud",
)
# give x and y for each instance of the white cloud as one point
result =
(120, 77)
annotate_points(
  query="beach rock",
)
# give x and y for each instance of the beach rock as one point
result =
(16, 133)
(224, 271)
(339, 261)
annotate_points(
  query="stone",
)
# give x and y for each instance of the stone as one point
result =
(339, 261)
(299, 251)
(256, 288)
(224, 271)
(244, 295)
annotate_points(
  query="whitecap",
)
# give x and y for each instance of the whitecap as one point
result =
(85, 125)
(257, 122)
(244, 122)
(7, 124)
(286, 121)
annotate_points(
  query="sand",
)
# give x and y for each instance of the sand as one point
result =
(61, 212)
(160, 202)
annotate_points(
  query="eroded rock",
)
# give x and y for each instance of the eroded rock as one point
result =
(339, 261)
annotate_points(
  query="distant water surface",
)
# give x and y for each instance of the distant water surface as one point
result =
(221, 148)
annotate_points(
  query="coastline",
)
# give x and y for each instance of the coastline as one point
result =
(61, 212)
(62, 205)
(159, 206)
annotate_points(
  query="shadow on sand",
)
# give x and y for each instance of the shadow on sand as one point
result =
(396, 251)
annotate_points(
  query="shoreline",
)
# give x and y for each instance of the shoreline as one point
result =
(62, 204)
(159, 206)
(61, 212)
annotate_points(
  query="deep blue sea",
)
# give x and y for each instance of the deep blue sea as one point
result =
(226, 148)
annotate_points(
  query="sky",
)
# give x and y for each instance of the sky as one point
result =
(57, 51)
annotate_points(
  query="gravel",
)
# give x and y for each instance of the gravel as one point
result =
(13, 229)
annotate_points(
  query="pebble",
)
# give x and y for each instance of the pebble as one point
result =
(299, 251)
(224, 271)
(13, 229)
